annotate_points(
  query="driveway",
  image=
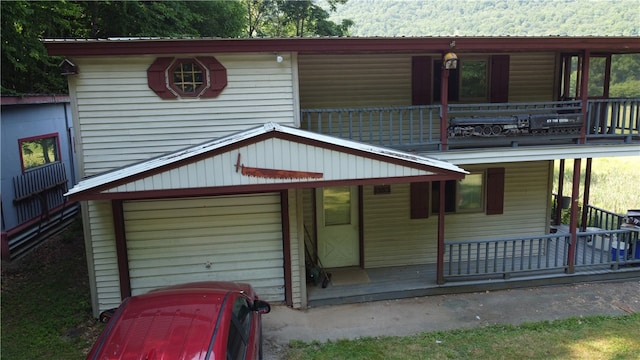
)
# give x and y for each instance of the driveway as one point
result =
(446, 312)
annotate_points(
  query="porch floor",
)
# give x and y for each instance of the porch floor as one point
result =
(420, 280)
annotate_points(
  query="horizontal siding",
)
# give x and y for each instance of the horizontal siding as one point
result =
(334, 81)
(238, 237)
(297, 251)
(122, 121)
(532, 77)
(270, 154)
(105, 259)
(392, 239)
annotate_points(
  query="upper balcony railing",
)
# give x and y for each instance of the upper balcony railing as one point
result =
(481, 125)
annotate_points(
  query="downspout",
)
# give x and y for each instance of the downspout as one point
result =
(440, 265)
(573, 222)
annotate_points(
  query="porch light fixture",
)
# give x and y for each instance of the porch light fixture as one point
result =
(279, 58)
(450, 61)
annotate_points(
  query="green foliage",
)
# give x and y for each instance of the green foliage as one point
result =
(282, 18)
(491, 18)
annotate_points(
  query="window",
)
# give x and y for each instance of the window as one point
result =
(477, 79)
(466, 195)
(239, 329)
(473, 81)
(38, 151)
(200, 77)
(337, 205)
(188, 77)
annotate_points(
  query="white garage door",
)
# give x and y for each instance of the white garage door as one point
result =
(230, 238)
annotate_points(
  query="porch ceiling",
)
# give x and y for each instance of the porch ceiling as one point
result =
(267, 158)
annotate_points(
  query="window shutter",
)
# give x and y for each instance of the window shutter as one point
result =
(495, 191)
(157, 80)
(499, 78)
(217, 77)
(421, 80)
(419, 194)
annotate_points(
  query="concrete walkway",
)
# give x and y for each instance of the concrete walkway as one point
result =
(445, 312)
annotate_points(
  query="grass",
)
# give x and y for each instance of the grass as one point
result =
(46, 309)
(614, 182)
(597, 337)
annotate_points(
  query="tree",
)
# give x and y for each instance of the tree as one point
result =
(282, 18)
(26, 67)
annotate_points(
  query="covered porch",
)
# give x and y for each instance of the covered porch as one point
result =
(484, 265)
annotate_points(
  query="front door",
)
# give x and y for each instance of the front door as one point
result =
(338, 228)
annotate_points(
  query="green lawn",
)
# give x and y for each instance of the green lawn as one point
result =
(598, 337)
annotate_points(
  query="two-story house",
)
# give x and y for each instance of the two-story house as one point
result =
(399, 166)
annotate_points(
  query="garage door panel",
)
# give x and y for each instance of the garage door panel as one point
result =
(243, 243)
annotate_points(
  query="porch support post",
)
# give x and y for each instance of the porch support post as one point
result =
(585, 197)
(444, 107)
(440, 265)
(121, 248)
(286, 246)
(560, 197)
(584, 94)
(573, 222)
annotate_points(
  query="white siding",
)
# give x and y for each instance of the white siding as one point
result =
(123, 121)
(272, 153)
(392, 238)
(232, 238)
(105, 259)
(298, 271)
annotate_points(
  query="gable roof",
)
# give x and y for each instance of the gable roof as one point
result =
(266, 158)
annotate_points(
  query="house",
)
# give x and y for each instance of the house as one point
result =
(38, 167)
(400, 166)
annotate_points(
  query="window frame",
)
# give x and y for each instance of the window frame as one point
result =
(453, 196)
(160, 77)
(57, 150)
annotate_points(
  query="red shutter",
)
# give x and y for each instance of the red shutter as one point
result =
(156, 77)
(217, 75)
(421, 80)
(495, 191)
(499, 78)
(419, 198)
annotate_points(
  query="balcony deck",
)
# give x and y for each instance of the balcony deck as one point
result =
(419, 128)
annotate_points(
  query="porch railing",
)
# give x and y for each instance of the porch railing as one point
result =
(399, 126)
(418, 127)
(606, 249)
(613, 118)
(600, 218)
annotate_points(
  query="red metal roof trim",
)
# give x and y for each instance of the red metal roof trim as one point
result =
(142, 46)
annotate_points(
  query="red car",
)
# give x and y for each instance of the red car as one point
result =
(204, 320)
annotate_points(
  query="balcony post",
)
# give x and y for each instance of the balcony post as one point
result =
(444, 110)
(585, 197)
(584, 94)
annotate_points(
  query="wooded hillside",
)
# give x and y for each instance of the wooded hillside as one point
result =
(491, 17)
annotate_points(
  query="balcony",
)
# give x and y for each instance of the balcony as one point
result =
(419, 128)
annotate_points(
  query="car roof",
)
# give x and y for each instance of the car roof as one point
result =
(177, 322)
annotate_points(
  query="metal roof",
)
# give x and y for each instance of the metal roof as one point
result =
(156, 164)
